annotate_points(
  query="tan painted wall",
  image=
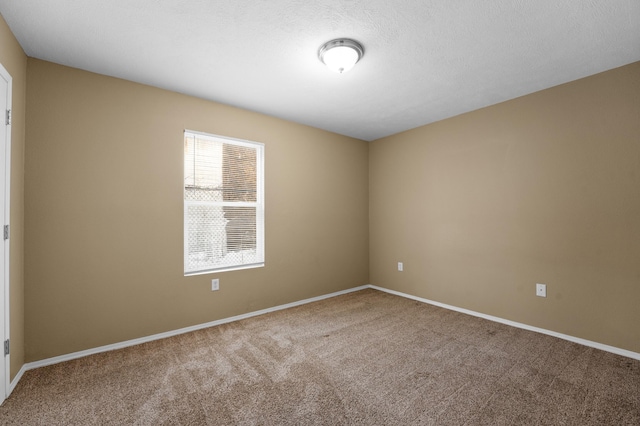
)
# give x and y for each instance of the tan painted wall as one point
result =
(541, 189)
(104, 212)
(14, 60)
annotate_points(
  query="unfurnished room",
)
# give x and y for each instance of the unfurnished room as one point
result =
(320, 213)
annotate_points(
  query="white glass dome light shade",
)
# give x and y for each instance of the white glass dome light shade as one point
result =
(340, 58)
(341, 55)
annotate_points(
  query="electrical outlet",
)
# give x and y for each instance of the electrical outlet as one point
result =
(215, 284)
(541, 290)
(400, 267)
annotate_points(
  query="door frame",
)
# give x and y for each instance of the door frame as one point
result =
(5, 368)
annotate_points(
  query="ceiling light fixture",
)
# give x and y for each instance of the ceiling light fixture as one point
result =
(341, 54)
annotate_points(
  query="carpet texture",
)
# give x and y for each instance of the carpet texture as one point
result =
(365, 358)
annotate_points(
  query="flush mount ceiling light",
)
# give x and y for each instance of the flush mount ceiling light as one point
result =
(341, 54)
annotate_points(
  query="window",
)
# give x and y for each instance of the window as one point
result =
(223, 203)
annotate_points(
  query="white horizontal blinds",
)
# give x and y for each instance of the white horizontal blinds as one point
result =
(223, 200)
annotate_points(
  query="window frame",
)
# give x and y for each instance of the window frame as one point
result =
(258, 204)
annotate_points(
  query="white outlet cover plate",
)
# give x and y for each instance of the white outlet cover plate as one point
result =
(541, 290)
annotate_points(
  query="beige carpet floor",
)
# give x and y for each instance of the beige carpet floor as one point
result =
(366, 358)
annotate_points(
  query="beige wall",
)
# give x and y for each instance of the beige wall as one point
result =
(103, 198)
(540, 189)
(14, 61)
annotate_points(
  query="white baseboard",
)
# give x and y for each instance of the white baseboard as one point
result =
(573, 339)
(127, 343)
(16, 379)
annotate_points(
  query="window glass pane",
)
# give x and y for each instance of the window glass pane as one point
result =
(239, 173)
(241, 228)
(206, 235)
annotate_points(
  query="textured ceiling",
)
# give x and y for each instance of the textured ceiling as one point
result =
(424, 60)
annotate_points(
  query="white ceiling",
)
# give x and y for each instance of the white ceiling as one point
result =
(424, 60)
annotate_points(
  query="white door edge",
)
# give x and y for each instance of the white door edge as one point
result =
(5, 169)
